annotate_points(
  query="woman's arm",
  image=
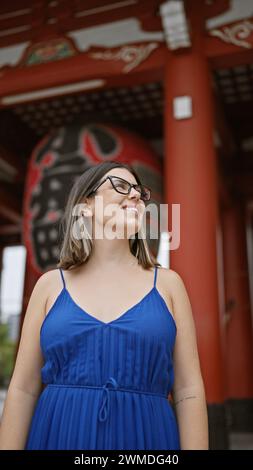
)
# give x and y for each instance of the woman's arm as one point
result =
(25, 385)
(188, 391)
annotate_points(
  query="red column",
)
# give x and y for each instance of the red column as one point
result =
(239, 345)
(191, 181)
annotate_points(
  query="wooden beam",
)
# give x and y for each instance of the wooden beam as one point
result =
(84, 67)
(33, 26)
(10, 229)
(226, 51)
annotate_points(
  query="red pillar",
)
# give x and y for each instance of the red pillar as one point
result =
(239, 344)
(191, 181)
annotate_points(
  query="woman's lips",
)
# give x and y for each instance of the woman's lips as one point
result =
(131, 209)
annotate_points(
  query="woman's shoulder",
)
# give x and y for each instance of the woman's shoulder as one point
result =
(170, 275)
(48, 282)
(39, 295)
(48, 276)
(179, 294)
(49, 285)
(173, 283)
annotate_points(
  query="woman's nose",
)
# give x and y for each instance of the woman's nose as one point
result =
(134, 192)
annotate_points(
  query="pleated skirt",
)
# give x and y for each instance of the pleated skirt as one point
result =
(66, 418)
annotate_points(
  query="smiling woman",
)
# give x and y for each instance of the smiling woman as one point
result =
(102, 190)
(108, 338)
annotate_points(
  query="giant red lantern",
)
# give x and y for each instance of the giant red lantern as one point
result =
(55, 163)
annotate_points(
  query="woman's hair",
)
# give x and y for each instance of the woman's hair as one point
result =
(75, 252)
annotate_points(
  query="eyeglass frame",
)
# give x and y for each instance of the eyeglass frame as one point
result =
(131, 185)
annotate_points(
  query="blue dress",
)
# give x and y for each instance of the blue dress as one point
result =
(107, 384)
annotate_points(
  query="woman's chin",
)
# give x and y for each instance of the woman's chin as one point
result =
(132, 229)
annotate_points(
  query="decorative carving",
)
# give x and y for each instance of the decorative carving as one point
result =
(48, 51)
(235, 34)
(131, 55)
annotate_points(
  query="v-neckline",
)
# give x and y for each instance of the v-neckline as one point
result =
(115, 320)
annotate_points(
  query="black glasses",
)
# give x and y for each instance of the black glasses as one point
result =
(124, 187)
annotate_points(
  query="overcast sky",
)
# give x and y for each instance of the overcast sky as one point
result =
(12, 281)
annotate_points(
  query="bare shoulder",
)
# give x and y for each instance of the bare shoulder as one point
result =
(41, 292)
(49, 276)
(173, 278)
(169, 274)
(50, 285)
(44, 283)
(177, 292)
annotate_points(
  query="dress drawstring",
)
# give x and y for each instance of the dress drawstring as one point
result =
(104, 410)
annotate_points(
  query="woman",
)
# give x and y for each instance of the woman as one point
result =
(110, 336)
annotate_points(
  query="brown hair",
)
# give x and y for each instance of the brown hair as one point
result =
(75, 252)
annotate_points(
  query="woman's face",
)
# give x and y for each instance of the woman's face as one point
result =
(111, 212)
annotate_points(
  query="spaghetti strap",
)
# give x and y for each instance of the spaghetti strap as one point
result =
(63, 280)
(155, 276)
